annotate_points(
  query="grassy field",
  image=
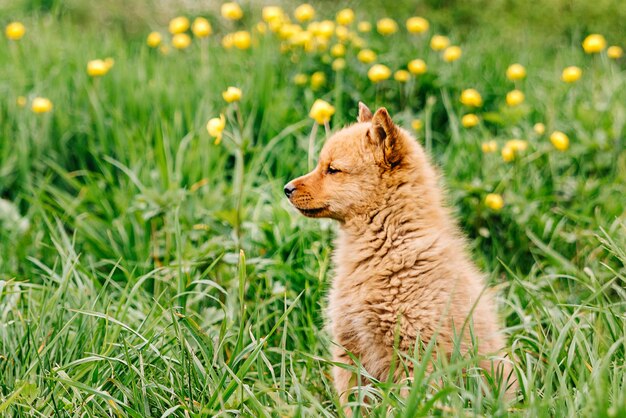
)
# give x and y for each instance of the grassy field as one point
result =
(148, 268)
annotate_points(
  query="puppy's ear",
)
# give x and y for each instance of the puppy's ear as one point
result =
(386, 138)
(365, 114)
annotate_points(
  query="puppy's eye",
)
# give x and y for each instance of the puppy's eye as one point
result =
(332, 170)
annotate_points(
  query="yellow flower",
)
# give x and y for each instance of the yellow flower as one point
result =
(402, 76)
(508, 154)
(364, 27)
(300, 79)
(339, 64)
(366, 56)
(517, 145)
(242, 39)
(471, 97)
(231, 11)
(227, 40)
(571, 74)
(98, 68)
(154, 39)
(261, 27)
(201, 27)
(489, 146)
(273, 14)
(15, 31)
(452, 53)
(318, 79)
(302, 38)
(439, 42)
(494, 201)
(594, 43)
(321, 111)
(215, 127)
(559, 140)
(338, 50)
(378, 72)
(417, 66)
(417, 124)
(469, 121)
(325, 29)
(232, 94)
(304, 12)
(514, 98)
(345, 17)
(178, 25)
(417, 24)
(21, 101)
(386, 26)
(41, 105)
(614, 52)
(181, 41)
(515, 72)
(539, 128)
(342, 33)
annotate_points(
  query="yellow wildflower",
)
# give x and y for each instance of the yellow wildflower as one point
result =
(215, 127)
(242, 39)
(559, 140)
(366, 56)
(326, 29)
(571, 74)
(469, 121)
(508, 154)
(514, 97)
(41, 105)
(417, 24)
(489, 146)
(98, 68)
(21, 101)
(232, 94)
(304, 12)
(517, 145)
(594, 43)
(321, 111)
(231, 11)
(471, 97)
(273, 14)
(201, 27)
(494, 201)
(178, 25)
(539, 128)
(378, 72)
(345, 17)
(439, 42)
(452, 53)
(154, 39)
(339, 64)
(402, 76)
(417, 124)
(318, 79)
(338, 50)
(417, 66)
(15, 31)
(386, 26)
(342, 33)
(364, 27)
(515, 72)
(181, 41)
(614, 52)
(300, 79)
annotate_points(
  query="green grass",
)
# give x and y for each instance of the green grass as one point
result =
(146, 271)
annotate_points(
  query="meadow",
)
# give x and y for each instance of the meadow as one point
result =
(151, 266)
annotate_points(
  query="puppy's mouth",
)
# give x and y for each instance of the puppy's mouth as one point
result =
(314, 212)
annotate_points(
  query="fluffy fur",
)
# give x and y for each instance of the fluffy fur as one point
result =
(401, 267)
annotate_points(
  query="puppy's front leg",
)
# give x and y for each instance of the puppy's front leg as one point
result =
(342, 378)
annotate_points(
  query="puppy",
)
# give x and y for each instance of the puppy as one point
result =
(401, 267)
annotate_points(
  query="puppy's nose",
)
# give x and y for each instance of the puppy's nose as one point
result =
(289, 189)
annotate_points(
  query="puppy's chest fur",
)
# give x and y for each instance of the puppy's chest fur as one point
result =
(391, 290)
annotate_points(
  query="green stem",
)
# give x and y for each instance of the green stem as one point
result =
(312, 145)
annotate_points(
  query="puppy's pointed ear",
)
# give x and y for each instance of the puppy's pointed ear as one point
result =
(365, 114)
(385, 136)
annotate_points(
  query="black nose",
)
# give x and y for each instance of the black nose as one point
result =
(289, 189)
